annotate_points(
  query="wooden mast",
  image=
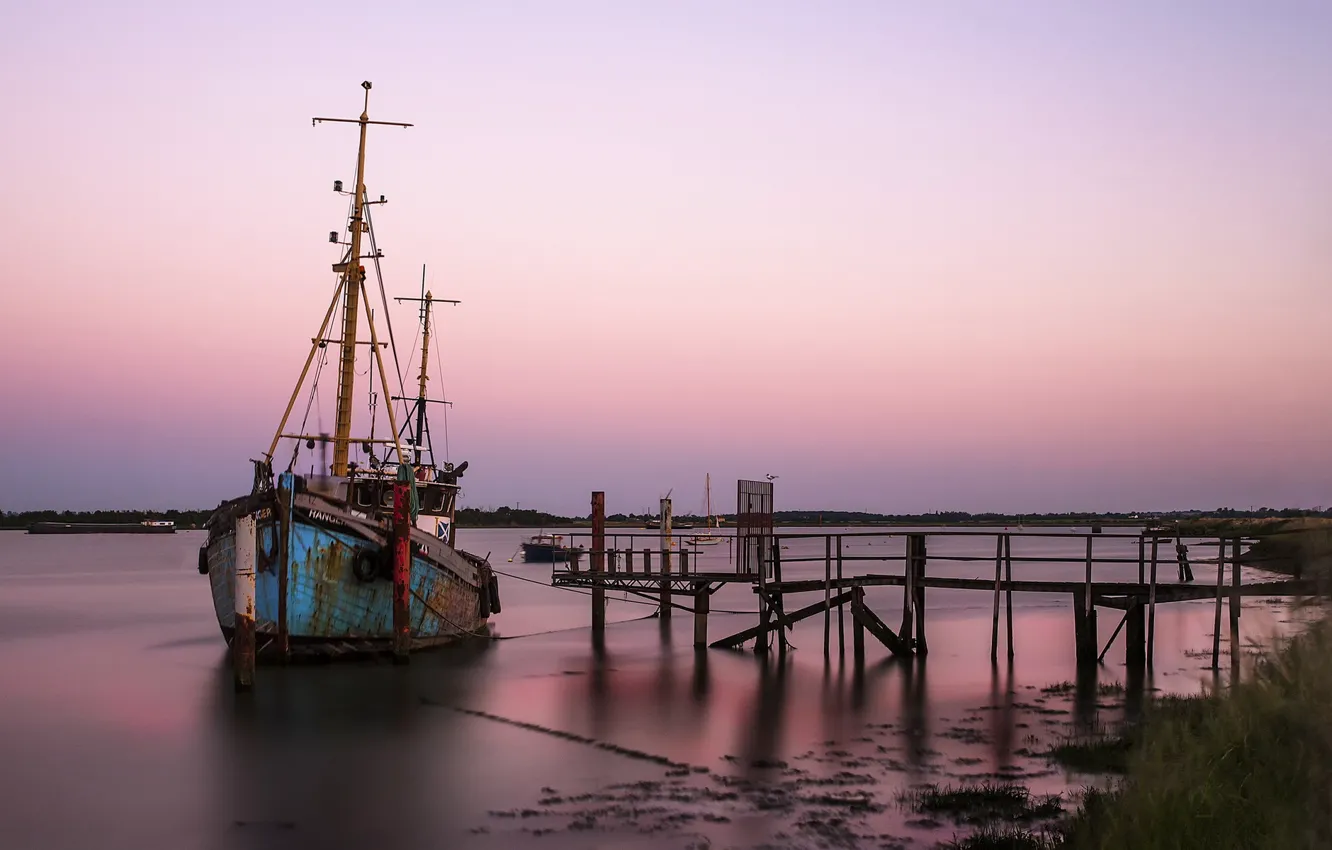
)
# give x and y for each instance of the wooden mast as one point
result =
(421, 384)
(353, 279)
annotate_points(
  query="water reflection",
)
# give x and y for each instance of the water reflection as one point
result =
(762, 745)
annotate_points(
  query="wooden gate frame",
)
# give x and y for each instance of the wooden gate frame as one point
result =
(753, 528)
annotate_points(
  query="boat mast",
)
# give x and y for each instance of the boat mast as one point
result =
(353, 277)
(353, 273)
(349, 288)
(426, 300)
(425, 352)
(708, 485)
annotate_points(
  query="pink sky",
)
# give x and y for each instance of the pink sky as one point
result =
(1030, 259)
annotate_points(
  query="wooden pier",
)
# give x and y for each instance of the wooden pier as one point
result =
(659, 568)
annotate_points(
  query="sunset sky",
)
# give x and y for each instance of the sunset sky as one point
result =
(1011, 256)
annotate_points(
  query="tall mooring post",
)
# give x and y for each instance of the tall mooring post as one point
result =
(1084, 617)
(598, 563)
(402, 569)
(702, 601)
(666, 557)
(916, 558)
(243, 638)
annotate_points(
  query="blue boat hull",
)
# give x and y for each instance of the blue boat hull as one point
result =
(332, 610)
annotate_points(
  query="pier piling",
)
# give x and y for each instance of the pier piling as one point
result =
(1008, 594)
(598, 561)
(1084, 627)
(1151, 609)
(858, 628)
(402, 571)
(994, 627)
(1234, 606)
(665, 557)
(243, 637)
(1135, 637)
(702, 601)
(916, 547)
(1216, 625)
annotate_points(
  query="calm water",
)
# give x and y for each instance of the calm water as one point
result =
(120, 728)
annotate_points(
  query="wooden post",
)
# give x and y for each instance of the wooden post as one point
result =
(647, 562)
(1235, 648)
(1084, 628)
(827, 592)
(629, 557)
(778, 603)
(1008, 594)
(1151, 607)
(919, 593)
(402, 570)
(665, 558)
(1142, 560)
(701, 604)
(1135, 649)
(684, 560)
(841, 609)
(858, 630)
(1216, 626)
(243, 638)
(994, 626)
(597, 563)
(1089, 601)
(908, 585)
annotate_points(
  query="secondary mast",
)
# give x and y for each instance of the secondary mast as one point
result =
(426, 301)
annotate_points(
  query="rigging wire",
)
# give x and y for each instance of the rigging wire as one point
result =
(444, 396)
(383, 297)
(314, 386)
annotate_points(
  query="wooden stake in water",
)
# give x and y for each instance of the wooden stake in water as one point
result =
(1234, 610)
(1216, 627)
(1008, 594)
(243, 638)
(827, 591)
(598, 561)
(994, 628)
(1151, 609)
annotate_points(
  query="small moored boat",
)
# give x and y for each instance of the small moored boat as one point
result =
(549, 548)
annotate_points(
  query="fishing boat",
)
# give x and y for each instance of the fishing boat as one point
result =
(549, 548)
(322, 542)
(707, 538)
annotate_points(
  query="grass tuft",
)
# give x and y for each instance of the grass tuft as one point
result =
(975, 804)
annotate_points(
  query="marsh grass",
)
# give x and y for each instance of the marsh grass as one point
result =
(1006, 838)
(981, 804)
(1251, 768)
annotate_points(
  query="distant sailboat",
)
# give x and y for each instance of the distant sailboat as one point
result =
(707, 538)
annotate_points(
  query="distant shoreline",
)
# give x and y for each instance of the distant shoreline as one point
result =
(1187, 522)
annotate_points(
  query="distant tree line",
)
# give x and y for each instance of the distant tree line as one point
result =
(182, 519)
(528, 518)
